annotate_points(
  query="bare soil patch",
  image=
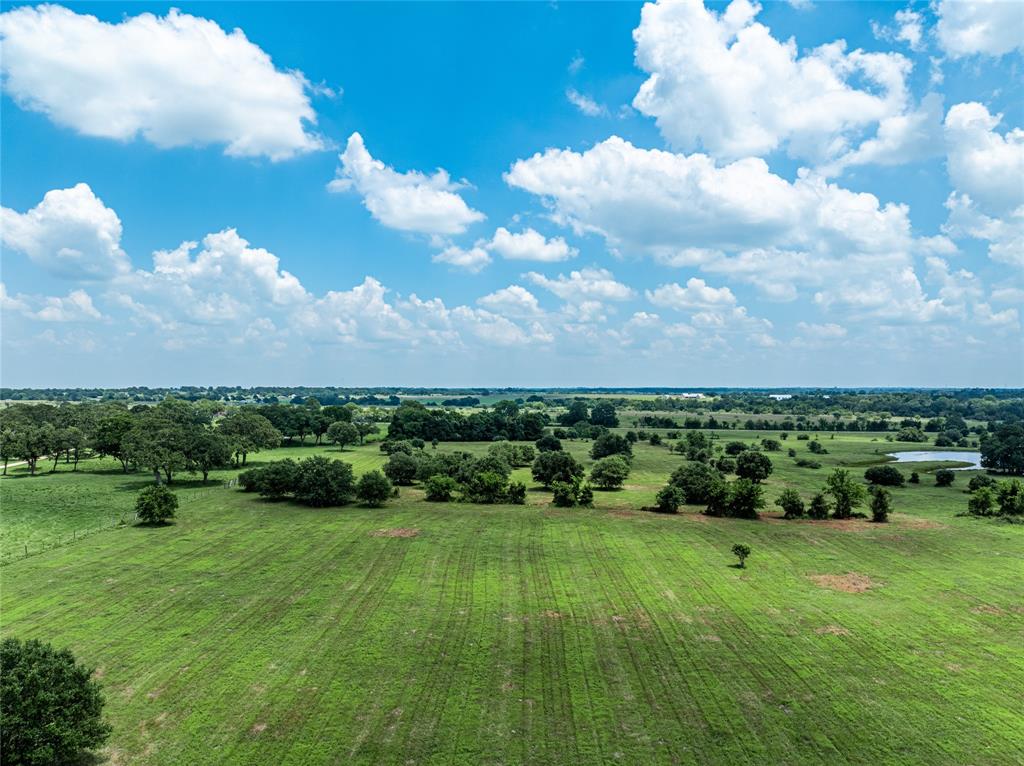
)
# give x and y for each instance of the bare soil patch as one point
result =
(258, 728)
(551, 614)
(988, 609)
(832, 630)
(851, 582)
(396, 532)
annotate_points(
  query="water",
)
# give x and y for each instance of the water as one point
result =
(974, 458)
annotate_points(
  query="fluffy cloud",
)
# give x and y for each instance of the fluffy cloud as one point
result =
(530, 245)
(586, 284)
(722, 82)
(696, 294)
(986, 165)
(176, 80)
(1005, 235)
(512, 301)
(985, 27)
(411, 201)
(76, 306)
(585, 103)
(71, 234)
(471, 259)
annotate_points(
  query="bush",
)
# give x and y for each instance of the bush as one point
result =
(755, 466)
(610, 472)
(735, 448)
(741, 551)
(846, 493)
(805, 463)
(1011, 498)
(746, 498)
(373, 489)
(322, 483)
(550, 467)
(248, 480)
(725, 465)
(669, 498)
(564, 493)
(440, 488)
(982, 502)
(548, 443)
(277, 479)
(717, 501)
(390, 447)
(816, 448)
(771, 445)
(487, 487)
(884, 476)
(694, 479)
(979, 481)
(818, 508)
(401, 468)
(156, 505)
(52, 709)
(944, 477)
(881, 505)
(516, 493)
(791, 504)
(911, 435)
(585, 497)
(802, 437)
(610, 444)
(915, 477)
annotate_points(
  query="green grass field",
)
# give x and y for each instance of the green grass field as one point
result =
(256, 632)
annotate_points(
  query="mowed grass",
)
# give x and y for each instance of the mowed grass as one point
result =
(257, 632)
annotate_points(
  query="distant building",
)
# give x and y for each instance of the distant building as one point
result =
(780, 397)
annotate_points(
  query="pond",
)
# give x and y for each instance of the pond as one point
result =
(932, 456)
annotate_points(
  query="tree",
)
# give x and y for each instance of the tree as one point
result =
(486, 487)
(517, 493)
(277, 479)
(548, 443)
(401, 468)
(577, 411)
(669, 498)
(818, 508)
(610, 472)
(741, 551)
(746, 498)
(603, 414)
(156, 505)
(695, 480)
(944, 477)
(373, 488)
(915, 477)
(816, 448)
(911, 435)
(207, 450)
(717, 497)
(364, 427)
(753, 465)
(771, 445)
(610, 444)
(550, 467)
(791, 503)
(982, 502)
(846, 493)
(1011, 498)
(1003, 449)
(52, 707)
(735, 448)
(440, 488)
(881, 505)
(884, 476)
(248, 431)
(342, 433)
(321, 482)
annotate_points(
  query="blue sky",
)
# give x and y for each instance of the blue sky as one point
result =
(527, 194)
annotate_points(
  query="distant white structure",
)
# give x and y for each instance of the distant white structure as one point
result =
(684, 396)
(780, 397)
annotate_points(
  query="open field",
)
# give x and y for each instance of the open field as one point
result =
(258, 632)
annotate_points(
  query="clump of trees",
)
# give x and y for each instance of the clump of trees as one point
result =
(884, 476)
(505, 420)
(572, 494)
(315, 481)
(1004, 499)
(611, 444)
(52, 707)
(1003, 449)
(560, 466)
(460, 475)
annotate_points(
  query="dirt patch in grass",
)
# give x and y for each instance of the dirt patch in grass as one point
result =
(988, 609)
(917, 523)
(832, 630)
(396, 532)
(258, 728)
(846, 525)
(551, 614)
(851, 582)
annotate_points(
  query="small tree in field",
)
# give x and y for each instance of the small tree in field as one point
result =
(52, 709)
(741, 551)
(156, 505)
(440, 488)
(342, 434)
(669, 498)
(846, 493)
(944, 477)
(791, 504)
(881, 505)
(818, 509)
(373, 489)
(610, 472)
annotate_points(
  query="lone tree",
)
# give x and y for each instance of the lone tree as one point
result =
(373, 489)
(342, 434)
(609, 472)
(846, 493)
(52, 709)
(791, 504)
(741, 551)
(752, 465)
(944, 477)
(156, 505)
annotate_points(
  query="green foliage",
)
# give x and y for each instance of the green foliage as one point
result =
(884, 476)
(604, 414)
(982, 502)
(791, 503)
(816, 447)
(248, 431)
(373, 489)
(753, 465)
(694, 479)
(735, 448)
(846, 493)
(440, 488)
(1003, 449)
(669, 498)
(401, 468)
(156, 505)
(322, 483)
(277, 479)
(915, 477)
(548, 443)
(741, 551)
(746, 498)
(771, 445)
(911, 435)
(1010, 496)
(550, 467)
(342, 433)
(818, 509)
(516, 494)
(979, 481)
(944, 477)
(611, 444)
(609, 473)
(881, 505)
(570, 494)
(52, 709)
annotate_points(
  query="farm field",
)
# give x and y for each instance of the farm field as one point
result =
(424, 633)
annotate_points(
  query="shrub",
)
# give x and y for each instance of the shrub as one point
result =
(277, 479)
(771, 445)
(846, 493)
(669, 498)
(550, 467)
(486, 487)
(717, 497)
(802, 437)
(694, 479)
(1011, 498)
(979, 481)
(517, 493)
(248, 480)
(610, 472)
(440, 488)
(564, 493)
(390, 447)
(548, 443)
(881, 505)
(791, 452)
(401, 468)
(373, 489)
(982, 502)
(944, 477)
(735, 448)
(52, 708)
(911, 435)
(818, 508)
(884, 476)
(156, 505)
(755, 466)
(322, 483)
(791, 504)
(725, 465)
(610, 444)
(816, 448)
(805, 463)
(915, 477)
(741, 551)
(746, 498)
(585, 497)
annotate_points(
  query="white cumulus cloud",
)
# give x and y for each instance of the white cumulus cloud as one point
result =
(530, 245)
(980, 27)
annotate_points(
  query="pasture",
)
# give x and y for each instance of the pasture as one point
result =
(424, 633)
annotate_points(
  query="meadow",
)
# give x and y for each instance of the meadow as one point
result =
(421, 633)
